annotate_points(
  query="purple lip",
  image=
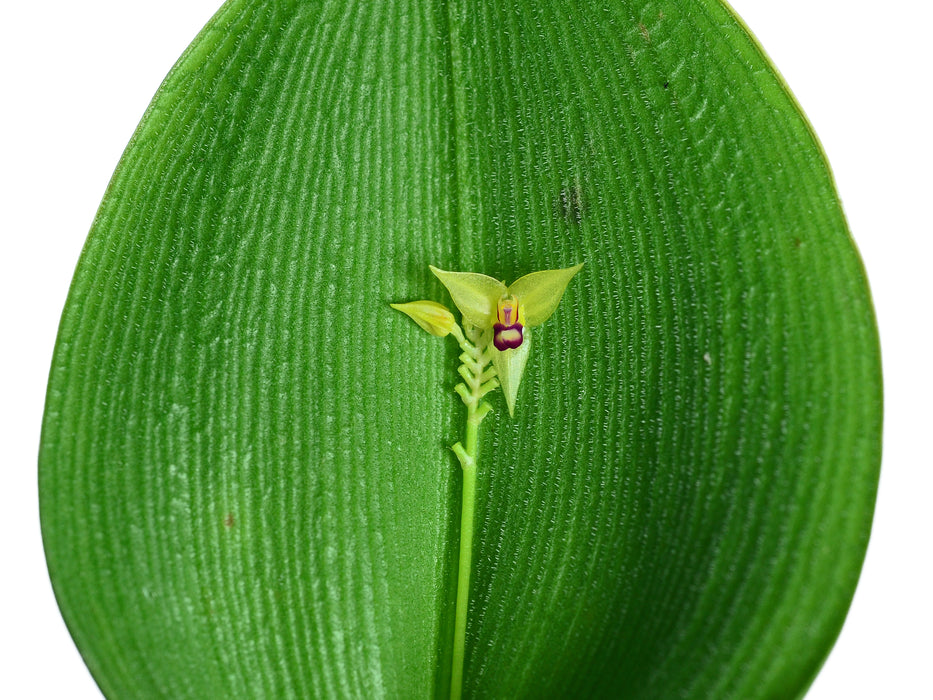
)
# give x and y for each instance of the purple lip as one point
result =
(507, 337)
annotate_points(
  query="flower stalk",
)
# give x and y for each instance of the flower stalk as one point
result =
(479, 380)
(495, 341)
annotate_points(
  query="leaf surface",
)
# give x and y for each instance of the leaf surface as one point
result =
(245, 484)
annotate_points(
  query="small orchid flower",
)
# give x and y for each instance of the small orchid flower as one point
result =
(486, 303)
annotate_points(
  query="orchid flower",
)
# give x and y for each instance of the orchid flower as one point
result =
(487, 303)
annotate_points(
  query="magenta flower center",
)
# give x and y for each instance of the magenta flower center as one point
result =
(507, 332)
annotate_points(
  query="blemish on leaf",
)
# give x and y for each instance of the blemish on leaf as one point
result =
(707, 358)
(229, 521)
(797, 243)
(646, 35)
(570, 205)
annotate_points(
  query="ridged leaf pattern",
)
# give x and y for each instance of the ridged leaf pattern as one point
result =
(246, 486)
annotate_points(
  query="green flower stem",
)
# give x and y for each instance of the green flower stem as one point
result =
(468, 462)
(478, 381)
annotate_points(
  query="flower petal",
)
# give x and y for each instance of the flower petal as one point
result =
(435, 318)
(474, 294)
(540, 292)
(510, 365)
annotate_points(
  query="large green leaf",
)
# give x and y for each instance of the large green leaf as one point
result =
(246, 489)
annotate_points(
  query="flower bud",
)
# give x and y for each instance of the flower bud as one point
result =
(435, 318)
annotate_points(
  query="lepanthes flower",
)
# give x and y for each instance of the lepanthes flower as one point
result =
(509, 311)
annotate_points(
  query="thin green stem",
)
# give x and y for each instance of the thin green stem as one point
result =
(468, 504)
(478, 382)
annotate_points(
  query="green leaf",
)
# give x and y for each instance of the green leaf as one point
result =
(245, 484)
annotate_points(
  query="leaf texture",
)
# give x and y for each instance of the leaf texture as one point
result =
(245, 484)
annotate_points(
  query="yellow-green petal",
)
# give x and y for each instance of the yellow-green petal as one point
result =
(540, 292)
(510, 365)
(474, 294)
(435, 318)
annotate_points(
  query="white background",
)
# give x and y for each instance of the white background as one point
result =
(76, 78)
